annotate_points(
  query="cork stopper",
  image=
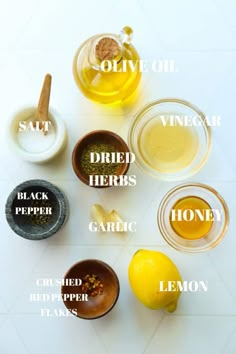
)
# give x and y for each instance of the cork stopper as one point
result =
(107, 49)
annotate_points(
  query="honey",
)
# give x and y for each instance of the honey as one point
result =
(105, 83)
(191, 218)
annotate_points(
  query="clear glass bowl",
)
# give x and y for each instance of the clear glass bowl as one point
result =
(217, 230)
(169, 153)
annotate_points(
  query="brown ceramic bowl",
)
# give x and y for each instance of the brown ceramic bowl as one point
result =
(98, 136)
(96, 306)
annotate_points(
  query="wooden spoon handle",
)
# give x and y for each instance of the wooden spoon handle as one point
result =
(43, 104)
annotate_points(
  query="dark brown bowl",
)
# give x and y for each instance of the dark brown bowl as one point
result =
(101, 136)
(99, 305)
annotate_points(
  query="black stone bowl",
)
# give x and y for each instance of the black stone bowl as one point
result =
(23, 225)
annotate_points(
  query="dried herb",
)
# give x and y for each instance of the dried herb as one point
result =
(92, 285)
(98, 168)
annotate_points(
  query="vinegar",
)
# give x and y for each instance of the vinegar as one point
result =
(167, 148)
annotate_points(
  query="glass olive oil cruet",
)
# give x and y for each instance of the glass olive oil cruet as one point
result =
(106, 67)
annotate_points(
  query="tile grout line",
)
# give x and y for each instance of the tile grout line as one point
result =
(226, 344)
(109, 245)
(28, 278)
(20, 336)
(152, 336)
(100, 339)
(221, 278)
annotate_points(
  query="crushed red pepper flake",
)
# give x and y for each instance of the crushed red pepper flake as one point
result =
(92, 285)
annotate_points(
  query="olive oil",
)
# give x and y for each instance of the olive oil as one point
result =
(105, 87)
(119, 79)
(191, 228)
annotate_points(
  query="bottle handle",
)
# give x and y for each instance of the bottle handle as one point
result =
(126, 35)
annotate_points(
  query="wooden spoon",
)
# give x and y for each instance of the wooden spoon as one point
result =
(43, 104)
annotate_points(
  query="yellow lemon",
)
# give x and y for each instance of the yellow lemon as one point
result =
(149, 272)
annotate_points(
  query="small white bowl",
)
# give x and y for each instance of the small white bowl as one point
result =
(57, 143)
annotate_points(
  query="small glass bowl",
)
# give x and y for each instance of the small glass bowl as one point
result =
(199, 137)
(217, 230)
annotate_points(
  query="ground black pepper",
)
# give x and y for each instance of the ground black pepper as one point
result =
(38, 219)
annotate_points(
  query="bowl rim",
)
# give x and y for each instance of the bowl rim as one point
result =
(186, 249)
(53, 150)
(62, 202)
(110, 269)
(179, 101)
(101, 132)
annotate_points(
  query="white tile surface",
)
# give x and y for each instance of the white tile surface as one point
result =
(57, 335)
(40, 36)
(189, 25)
(192, 335)
(10, 340)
